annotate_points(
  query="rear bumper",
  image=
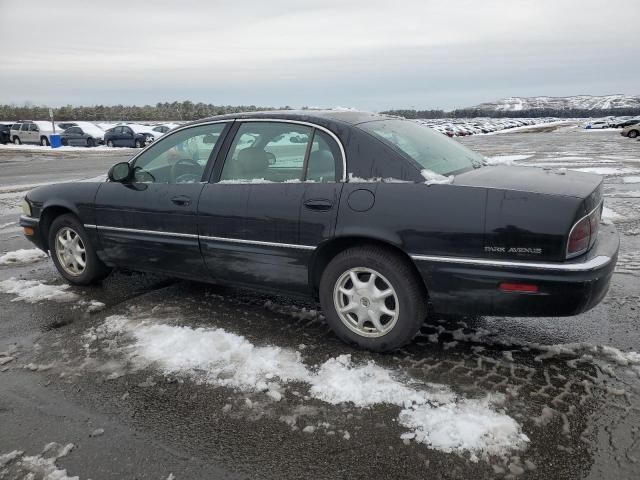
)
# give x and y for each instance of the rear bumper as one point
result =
(470, 286)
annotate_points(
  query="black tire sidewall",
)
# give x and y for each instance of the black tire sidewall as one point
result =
(411, 297)
(632, 134)
(95, 270)
(138, 144)
(110, 144)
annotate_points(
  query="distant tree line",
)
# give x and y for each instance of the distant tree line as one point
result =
(188, 110)
(531, 113)
(160, 111)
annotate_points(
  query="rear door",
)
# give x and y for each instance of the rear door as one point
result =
(268, 208)
(149, 223)
(73, 136)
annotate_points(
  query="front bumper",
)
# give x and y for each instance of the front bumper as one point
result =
(34, 224)
(564, 288)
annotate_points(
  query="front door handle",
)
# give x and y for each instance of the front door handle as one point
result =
(319, 204)
(182, 200)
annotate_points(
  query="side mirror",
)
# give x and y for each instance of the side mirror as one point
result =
(120, 172)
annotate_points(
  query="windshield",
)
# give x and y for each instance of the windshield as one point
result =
(430, 149)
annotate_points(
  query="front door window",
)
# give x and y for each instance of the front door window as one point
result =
(180, 157)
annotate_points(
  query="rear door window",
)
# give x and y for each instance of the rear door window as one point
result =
(267, 152)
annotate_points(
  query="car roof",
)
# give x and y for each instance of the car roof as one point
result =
(320, 117)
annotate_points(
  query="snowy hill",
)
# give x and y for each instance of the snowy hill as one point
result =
(586, 102)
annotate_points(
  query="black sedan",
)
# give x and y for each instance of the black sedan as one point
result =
(126, 136)
(88, 136)
(377, 217)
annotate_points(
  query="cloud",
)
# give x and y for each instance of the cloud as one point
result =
(371, 54)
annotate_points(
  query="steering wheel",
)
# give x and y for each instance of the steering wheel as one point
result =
(187, 177)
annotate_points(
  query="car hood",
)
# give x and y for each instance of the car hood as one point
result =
(544, 181)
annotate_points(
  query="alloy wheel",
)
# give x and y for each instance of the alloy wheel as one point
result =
(71, 251)
(366, 302)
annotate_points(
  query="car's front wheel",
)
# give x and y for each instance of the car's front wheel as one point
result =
(16, 141)
(44, 141)
(110, 143)
(632, 133)
(91, 142)
(72, 252)
(138, 144)
(373, 298)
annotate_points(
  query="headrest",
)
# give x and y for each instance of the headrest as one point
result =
(253, 161)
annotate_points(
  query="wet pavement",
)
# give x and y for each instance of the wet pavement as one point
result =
(572, 384)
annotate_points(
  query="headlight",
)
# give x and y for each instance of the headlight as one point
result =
(26, 207)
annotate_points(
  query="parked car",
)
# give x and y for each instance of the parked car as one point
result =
(5, 133)
(162, 129)
(627, 123)
(38, 132)
(125, 136)
(597, 125)
(374, 215)
(86, 136)
(632, 131)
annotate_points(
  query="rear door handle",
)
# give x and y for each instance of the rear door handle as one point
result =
(319, 204)
(182, 200)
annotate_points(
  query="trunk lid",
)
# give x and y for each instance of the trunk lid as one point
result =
(545, 181)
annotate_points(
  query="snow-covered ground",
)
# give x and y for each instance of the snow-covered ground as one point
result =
(22, 256)
(432, 414)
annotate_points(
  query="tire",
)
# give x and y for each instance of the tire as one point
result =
(408, 300)
(44, 141)
(633, 133)
(67, 227)
(110, 143)
(16, 141)
(138, 144)
(91, 142)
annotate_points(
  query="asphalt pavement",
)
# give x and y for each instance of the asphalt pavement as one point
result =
(572, 383)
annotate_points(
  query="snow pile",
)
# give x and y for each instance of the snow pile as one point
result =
(435, 178)
(22, 256)
(434, 414)
(243, 181)
(462, 426)
(37, 466)
(339, 381)
(354, 179)
(212, 355)
(631, 179)
(506, 159)
(33, 291)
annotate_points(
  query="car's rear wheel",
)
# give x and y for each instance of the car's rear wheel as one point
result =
(110, 143)
(72, 252)
(373, 298)
(91, 142)
(16, 141)
(138, 144)
(44, 141)
(633, 133)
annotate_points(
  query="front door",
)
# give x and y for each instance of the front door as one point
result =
(149, 222)
(275, 200)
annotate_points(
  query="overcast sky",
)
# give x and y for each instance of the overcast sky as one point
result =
(369, 54)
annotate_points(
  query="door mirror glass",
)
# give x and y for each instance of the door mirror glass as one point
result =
(120, 172)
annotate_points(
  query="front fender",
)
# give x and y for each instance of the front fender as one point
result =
(76, 197)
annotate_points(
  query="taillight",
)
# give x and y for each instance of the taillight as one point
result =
(584, 233)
